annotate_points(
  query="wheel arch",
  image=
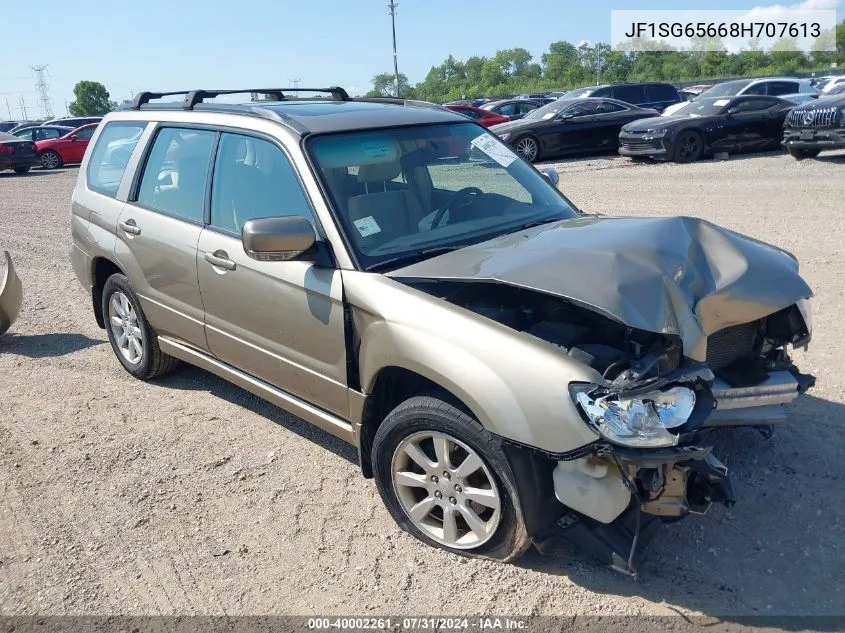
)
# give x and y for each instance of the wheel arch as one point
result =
(101, 269)
(391, 386)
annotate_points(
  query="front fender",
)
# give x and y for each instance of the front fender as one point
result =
(11, 295)
(514, 384)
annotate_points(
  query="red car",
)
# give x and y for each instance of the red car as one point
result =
(482, 117)
(70, 148)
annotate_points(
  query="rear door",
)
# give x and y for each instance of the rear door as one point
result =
(281, 321)
(159, 227)
(661, 96)
(777, 88)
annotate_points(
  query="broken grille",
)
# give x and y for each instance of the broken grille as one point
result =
(813, 118)
(732, 343)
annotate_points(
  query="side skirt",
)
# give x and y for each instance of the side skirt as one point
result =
(282, 399)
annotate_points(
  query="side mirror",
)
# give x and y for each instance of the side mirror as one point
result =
(565, 117)
(551, 174)
(277, 239)
(732, 111)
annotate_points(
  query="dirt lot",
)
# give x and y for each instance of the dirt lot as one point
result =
(191, 496)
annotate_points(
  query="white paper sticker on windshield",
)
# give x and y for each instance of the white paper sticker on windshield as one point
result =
(549, 115)
(495, 149)
(721, 102)
(367, 226)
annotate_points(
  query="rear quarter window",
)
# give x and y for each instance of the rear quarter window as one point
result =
(111, 154)
(662, 92)
(630, 94)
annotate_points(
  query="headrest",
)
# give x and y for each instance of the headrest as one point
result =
(377, 172)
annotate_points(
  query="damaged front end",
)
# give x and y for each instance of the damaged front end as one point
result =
(11, 294)
(653, 408)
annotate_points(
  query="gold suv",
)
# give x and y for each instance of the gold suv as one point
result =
(511, 369)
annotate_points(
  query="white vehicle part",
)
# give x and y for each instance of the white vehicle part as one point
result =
(593, 488)
(11, 295)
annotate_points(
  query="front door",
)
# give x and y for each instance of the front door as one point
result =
(77, 144)
(279, 321)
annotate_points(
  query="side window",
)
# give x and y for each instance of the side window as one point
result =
(42, 134)
(782, 88)
(756, 89)
(601, 92)
(606, 107)
(630, 94)
(507, 110)
(111, 154)
(662, 92)
(253, 179)
(585, 108)
(27, 135)
(754, 105)
(87, 133)
(525, 108)
(176, 174)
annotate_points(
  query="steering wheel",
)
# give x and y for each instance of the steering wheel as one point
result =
(463, 193)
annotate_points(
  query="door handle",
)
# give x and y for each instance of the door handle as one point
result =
(221, 260)
(130, 227)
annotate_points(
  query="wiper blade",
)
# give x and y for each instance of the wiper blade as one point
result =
(412, 258)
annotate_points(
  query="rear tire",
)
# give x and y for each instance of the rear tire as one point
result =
(689, 146)
(800, 153)
(448, 486)
(22, 170)
(50, 160)
(132, 338)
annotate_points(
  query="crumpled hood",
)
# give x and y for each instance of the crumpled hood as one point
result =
(674, 275)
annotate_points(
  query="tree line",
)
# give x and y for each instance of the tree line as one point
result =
(566, 66)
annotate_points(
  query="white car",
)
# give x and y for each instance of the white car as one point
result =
(794, 90)
(832, 83)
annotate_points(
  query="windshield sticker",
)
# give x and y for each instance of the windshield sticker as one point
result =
(494, 149)
(367, 226)
(549, 115)
(721, 102)
(374, 149)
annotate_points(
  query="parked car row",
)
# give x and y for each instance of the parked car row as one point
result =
(49, 145)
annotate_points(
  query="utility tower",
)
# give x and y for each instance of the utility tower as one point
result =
(295, 82)
(43, 90)
(391, 6)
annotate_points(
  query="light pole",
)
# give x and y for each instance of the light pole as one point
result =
(391, 5)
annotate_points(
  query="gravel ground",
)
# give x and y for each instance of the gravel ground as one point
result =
(190, 496)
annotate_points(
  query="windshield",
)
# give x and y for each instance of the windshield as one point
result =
(405, 194)
(548, 111)
(702, 107)
(726, 89)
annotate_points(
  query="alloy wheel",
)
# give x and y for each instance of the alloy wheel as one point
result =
(689, 147)
(446, 489)
(527, 148)
(124, 326)
(49, 160)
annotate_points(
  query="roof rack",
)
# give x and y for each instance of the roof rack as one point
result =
(198, 96)
(143, 98)
(193, 97)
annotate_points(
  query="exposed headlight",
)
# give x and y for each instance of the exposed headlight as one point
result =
(505, 136)
(641, 421)
(662, 131)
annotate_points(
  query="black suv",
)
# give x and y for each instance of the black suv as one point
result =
(815, 126)
(657, 96)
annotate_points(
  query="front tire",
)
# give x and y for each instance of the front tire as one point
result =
(689, 146)
(446, 481)
(50, 160)
(800, 153)
(132, 338)
(528, 148)
(22, 170)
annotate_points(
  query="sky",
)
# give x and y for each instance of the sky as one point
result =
(214, 44)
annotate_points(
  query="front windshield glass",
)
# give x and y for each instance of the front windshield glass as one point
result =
(725, 89)
(548, 111)
(404, 194)
(705, 107)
